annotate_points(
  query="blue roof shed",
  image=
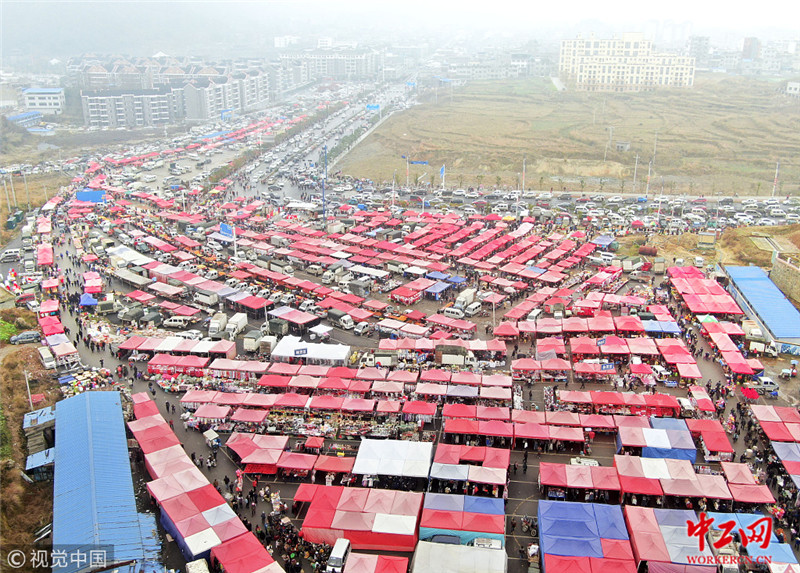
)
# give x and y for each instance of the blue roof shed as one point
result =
(94, 506)
(766, 300)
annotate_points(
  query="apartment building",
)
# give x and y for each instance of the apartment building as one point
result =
(49, 101)
(626, 64)
(112, 109)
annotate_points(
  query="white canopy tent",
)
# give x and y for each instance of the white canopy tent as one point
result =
(446, 558)
(293, 347)
(394, 458)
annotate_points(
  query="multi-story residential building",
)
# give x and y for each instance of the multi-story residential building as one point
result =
(336, 64)
(49, 101)
(626, 64)
(131, 108)
(239, 93)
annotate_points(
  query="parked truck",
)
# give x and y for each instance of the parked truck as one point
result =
(206, 298)
(395, 267)
(333, 274)
(447, 355)
(360, 288)
(630, 264)
(236, 324)
(466, 298)
(266, 344)
(251, 340)
(383, 358)
(107, 306)
(757, 340)
(282, 267)
(217, 325)
(340, 318)
(659, 266)
(275, 326)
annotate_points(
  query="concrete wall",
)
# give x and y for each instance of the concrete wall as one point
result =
(786, 276)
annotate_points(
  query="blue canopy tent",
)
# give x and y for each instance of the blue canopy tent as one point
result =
(487, 505)
(787, 451)
(456, 280)
(437, 276)
(436, 290)
(444, 502)
(669, 424)
(88, 300)
(569, 531)
(460, 506)
(462, 391)
(91, 195)
(610, 522)
(669, 327)
(652, 326)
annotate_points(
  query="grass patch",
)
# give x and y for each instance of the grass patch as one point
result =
(722, 137)
(7, 330)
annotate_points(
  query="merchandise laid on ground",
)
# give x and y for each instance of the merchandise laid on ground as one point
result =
(448, 393)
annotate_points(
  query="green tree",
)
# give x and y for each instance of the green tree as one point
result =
(498, 180)
(479, 179)
(583, 184)
(460, 181)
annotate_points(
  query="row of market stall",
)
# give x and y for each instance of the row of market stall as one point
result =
(192, 511)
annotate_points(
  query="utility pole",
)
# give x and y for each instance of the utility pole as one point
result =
(28, 386)
(775, 182)
(649, 167)
(655, 146)
(27, 191)
(8, 198)
(324, 183)
(635, 167)
(608, 143)
(13, 191)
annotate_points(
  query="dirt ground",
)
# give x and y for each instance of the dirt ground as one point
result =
(732, 246)
(25, 507)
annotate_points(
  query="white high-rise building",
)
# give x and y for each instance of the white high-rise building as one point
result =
(626, 64)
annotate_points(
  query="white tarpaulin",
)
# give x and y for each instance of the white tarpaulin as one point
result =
(446, 558)
(655, 468)
(393, 458)
(295, 347)
(449, 472)
(656, 438)
(398, 524)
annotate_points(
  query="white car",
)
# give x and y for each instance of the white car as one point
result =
(766, 222)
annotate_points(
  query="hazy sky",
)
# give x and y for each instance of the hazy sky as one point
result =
(64, 27)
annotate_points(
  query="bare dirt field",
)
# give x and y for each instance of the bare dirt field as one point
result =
(723, 137)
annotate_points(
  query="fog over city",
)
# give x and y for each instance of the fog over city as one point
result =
(63, 28)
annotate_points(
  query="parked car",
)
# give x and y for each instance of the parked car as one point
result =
(26, 337)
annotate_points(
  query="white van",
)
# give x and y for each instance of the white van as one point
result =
(534, 314)
(473, 309)
(452, 312)
(176, 322)
(10, 255)
(339, 555)
(47, 358)
(607, 257)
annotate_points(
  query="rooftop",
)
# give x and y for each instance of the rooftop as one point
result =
(767, 301)
(91, 455)
(43, 91)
